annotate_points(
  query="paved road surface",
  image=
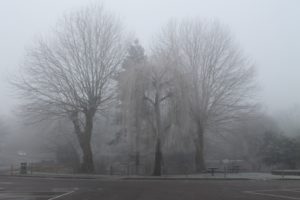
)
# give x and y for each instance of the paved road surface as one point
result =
(17, 188)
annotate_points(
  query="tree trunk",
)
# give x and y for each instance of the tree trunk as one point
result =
(87, 165)
(137, 144)
(199, 149)
(137, 162)
(84, 138)
(158, 159)
(158, 153)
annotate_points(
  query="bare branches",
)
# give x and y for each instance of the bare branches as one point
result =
(73, 70)
(219, 79)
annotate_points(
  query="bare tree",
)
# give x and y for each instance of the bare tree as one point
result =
(71, 73)
(218, 82)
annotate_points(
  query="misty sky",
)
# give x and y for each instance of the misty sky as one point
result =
(267, 30)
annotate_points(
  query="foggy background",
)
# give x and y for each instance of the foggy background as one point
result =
(267, 30)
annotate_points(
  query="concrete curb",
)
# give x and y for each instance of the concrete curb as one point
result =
(62, 177)
(182, 179)
(124, 178)
(145, 178)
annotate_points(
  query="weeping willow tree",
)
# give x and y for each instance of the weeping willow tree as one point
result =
(131, 84)
(156, 97)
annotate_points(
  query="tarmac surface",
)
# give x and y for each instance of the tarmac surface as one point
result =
(36, 188)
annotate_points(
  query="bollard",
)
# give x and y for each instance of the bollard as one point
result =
(12, 170)
(225, 172)
(111, 170)
(23, 168)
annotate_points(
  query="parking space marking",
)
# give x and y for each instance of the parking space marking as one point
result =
(276, 190)
(15, 195)
(263, 193)
(62, 195)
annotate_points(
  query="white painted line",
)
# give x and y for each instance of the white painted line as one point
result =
(62, 195)
(277, 190)
(59, 178)
(291, 190)
(272, 195)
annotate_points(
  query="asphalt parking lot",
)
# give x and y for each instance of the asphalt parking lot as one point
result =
(20, 188)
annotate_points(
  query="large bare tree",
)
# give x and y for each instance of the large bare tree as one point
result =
(219, 79)
(71, 74)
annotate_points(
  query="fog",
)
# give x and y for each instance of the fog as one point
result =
(266, 30)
